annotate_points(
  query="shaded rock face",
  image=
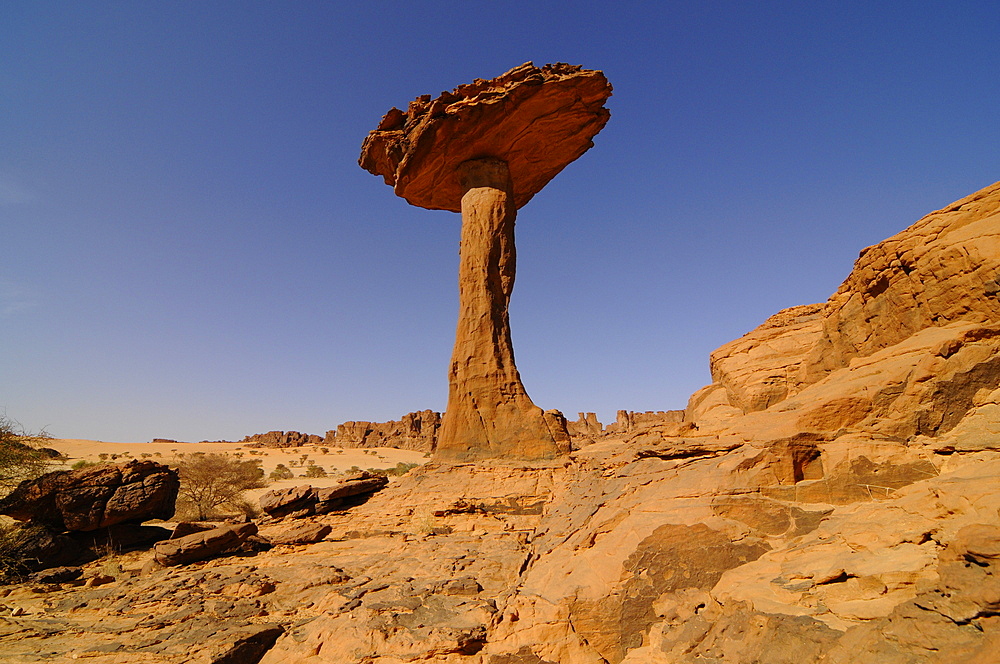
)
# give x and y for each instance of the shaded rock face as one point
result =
(95, 497)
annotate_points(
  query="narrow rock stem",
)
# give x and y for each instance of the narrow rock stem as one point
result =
(489, 412)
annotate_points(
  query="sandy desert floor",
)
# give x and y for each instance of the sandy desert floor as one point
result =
(334, 461)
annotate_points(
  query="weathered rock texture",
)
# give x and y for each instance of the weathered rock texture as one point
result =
(537, 119)
(95, 497)
(307, 500)
(485, 149)
(850, 516)
(281, 439)
(414, 431)
(202, 545)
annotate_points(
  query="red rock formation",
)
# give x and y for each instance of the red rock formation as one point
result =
(95, 497)
(414, 431)
(282, 439)
(485, 150)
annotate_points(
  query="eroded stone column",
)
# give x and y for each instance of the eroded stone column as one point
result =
(489, 412)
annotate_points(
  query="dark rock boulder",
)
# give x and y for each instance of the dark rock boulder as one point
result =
(306, 500)
(95, 497)
(202, 545)
(35, 547)
(304, 533)
(57, 575)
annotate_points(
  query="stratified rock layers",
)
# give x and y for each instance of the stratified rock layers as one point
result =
(489, 413)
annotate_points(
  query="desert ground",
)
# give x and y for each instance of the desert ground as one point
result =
(334, 460)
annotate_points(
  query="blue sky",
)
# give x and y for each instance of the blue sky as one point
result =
(190, 250)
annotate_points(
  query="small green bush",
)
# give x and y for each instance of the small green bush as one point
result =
(281, 472)
(315, 471)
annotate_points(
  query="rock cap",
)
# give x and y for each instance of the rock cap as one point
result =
(538, 120)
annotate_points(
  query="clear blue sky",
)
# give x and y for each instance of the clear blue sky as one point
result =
(190, 250)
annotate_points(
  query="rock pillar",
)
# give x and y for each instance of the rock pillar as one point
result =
(489, 413)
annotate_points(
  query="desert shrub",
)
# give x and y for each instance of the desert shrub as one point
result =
(82, 463)
(281, 472)
(210, 481)
(315, 471)
(20, 458)
(402, 468)
(14, 539)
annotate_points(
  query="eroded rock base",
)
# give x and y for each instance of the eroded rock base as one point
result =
(489, 412)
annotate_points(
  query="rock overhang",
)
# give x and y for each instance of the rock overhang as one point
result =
(537, 119)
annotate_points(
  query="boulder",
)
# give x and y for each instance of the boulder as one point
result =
(202, 545)
(304, 533)
(95, 497)
(282, 502)
(305, 500)
(57, 575)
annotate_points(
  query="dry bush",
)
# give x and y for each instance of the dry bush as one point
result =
(211, 481)
(20, 458)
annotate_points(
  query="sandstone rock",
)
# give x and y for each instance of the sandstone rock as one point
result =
(765, 365)
(306, 500)
(489, 413)
(282, 502)
(202, 545)
(95, 497)
(940, 270)
(415, 431)
(485, 149)
(56, 575)
(281, 439)
(305, 533)
(586, 426)
(537, 119)
(185, 528)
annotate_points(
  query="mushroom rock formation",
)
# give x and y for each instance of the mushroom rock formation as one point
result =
(484, 150)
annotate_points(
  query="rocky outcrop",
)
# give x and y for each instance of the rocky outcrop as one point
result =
(202, 545)
(95, 497)
(586, 426)
(306, 500)
(414, 431)
(484, 150)
(280, 439)
(538, 119)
